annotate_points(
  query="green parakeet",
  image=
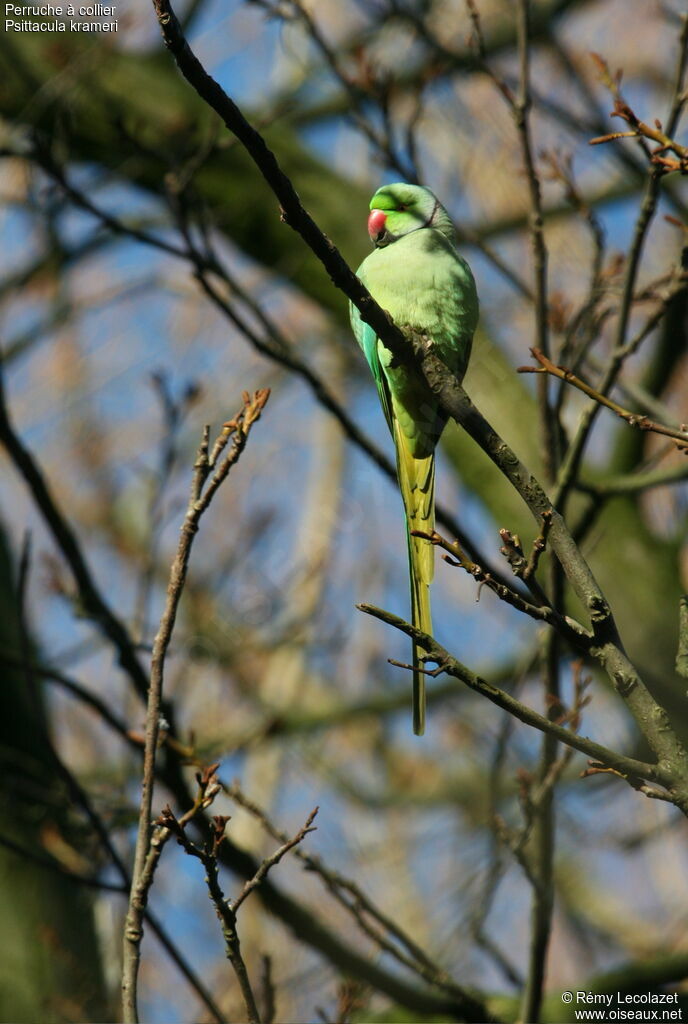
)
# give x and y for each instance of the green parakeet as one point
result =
(415, 274)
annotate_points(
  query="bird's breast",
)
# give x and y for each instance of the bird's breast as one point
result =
(423, 283)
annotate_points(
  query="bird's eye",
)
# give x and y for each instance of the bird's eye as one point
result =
(401, 208)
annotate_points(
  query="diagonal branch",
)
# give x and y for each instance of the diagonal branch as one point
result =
(625, 766)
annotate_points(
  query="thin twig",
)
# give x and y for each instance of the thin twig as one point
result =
(680, 437)
(542, 612)
(201, 496)
(389, 936)
(227, 909)
(273, 859)
(655, 134)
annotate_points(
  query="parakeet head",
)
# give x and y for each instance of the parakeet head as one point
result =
(398, 209)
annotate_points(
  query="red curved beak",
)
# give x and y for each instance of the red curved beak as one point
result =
(376, 224)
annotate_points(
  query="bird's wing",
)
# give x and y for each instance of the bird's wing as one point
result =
(367, 339)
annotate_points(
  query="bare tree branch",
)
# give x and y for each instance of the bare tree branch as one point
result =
(625, 766)
(211, 469)
(680, 437)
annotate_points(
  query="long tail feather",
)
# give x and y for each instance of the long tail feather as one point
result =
(417, 486)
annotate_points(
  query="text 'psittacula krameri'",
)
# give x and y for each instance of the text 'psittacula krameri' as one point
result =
(416, 275)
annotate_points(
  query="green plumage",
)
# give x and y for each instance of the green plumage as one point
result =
(416, 275)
